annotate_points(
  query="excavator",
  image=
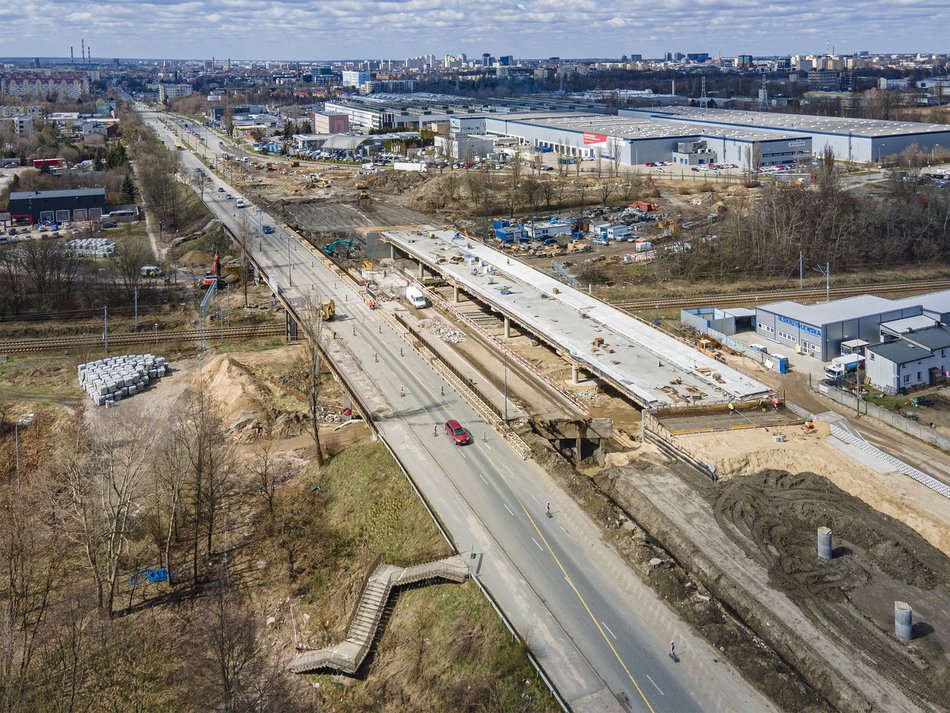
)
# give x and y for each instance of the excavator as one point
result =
(214, 276)
(363, 185)
(332, 248)
(327, 310)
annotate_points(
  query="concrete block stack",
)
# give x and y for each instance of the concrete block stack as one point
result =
(110, 380)
(91, 247)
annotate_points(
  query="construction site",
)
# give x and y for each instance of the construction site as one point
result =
(697, 466)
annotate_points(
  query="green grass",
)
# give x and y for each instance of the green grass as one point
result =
(444, 647)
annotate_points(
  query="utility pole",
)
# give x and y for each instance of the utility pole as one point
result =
(801, 269)
(105, 326)
(135, 319)
(506, 387)
(827, 282)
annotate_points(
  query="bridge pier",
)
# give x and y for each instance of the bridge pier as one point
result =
(575, 375)
(422, 271)
(507, 327)
(455, 293)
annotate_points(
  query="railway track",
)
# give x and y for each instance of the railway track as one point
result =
(751, 298)
(20, 346)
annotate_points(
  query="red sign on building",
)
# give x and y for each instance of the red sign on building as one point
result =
(594, 139)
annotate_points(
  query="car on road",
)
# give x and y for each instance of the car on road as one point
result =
(268, 229)
(220, 190)
(228, 197)
(458, 434)
(649, 164)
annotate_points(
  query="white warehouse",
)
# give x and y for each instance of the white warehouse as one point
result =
(855, 140)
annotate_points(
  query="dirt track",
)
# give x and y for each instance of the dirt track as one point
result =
(341, 215)
(751, 541)
(773, 517)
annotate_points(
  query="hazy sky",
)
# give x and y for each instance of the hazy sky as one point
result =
(320, 29)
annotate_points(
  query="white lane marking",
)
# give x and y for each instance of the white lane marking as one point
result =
(483, 478)
(608, 630)
(536, 542)
(510, 513)
(462, 454)
(655, 686)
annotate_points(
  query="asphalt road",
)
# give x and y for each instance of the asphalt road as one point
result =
(597, 630)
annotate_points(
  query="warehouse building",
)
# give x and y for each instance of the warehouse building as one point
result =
(57, 206)
(818, 330)
(856, 140)
(632, 140)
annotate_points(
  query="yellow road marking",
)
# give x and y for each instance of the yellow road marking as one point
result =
(587, 609)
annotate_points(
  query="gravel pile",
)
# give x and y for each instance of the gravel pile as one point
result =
(446, 334)
(116, 378)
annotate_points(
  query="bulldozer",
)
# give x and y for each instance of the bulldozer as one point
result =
(327, 310)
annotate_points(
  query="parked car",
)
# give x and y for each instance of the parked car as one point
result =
(268, 230)
(458, 434)
(110, 224)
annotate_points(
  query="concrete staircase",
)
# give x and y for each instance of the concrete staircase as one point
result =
(347, 656)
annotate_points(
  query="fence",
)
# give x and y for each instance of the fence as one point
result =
(908, 426)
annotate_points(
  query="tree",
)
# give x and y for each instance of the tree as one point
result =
(314, 329)
(127, 263)
(606, 190)
(127, 192)
(199, 181)
(98, 495)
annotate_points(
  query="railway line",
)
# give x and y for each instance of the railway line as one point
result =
(751, 298)
(66, 343)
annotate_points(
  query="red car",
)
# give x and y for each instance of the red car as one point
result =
(649, 164)
(458, 434)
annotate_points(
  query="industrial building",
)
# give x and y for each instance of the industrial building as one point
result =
(324, 123)
(818, 330)
(917, 359)
(632, 140)
(57, 206)
(855, 140)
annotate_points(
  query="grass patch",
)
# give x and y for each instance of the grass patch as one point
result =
(443, 648)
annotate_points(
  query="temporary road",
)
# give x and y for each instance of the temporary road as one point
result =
(600, 634)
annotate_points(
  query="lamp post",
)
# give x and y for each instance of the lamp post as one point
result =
(506, 387)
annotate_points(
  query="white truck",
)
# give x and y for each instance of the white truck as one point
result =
(410, 166)
(240, 203)
(416, 297)
(847, 364)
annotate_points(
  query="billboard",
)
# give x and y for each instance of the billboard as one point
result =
(590, 138)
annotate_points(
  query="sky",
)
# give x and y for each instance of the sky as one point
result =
(396, 29)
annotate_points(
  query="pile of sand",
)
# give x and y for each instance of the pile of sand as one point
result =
(196, 258)
(754, 450)
(249, 406)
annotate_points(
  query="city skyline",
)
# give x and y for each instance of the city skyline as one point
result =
(383, 29)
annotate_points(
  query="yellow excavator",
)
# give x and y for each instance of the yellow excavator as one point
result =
(366, 183)
(327, 310)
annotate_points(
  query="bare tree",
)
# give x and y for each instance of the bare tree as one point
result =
(314, 329)
(127, 263)
(199, 181)
(606, 189)
(99, 495)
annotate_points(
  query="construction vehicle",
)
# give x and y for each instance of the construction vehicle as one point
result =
(327, 310)
(645, 206)
(332, 248)
(213, 277)
(362, 185)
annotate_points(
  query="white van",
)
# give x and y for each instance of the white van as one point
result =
(239, 203)
(416, 297)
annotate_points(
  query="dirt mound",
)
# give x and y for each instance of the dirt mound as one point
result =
(399, 181)
(249, 406)
(774, 516)
(196, 258)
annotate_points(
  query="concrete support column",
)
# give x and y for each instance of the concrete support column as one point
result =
(507, 327)
(455, 293)
(392, 251)
(579, 448)
(422, 273)
(574, 374)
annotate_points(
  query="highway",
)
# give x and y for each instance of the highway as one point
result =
(599, 633)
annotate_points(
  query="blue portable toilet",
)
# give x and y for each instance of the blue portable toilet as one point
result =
(781, 363)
